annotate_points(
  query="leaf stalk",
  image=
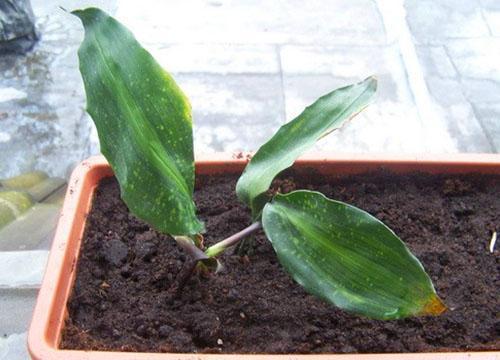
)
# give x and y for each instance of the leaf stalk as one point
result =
(221, 246)
(189, 246)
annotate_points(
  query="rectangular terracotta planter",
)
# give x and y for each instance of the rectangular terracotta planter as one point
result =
(50, 311)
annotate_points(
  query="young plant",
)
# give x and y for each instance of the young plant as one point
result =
(334, 250)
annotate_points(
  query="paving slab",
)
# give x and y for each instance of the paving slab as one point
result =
(17, 307)
(493, 20)
(435, 61)
(490, 120)
(33, 230)
(490, 4)
(233, 112)
(22, 269)
(476, 79)
(433, 22)
(461, 122)
(391, 124)
(481, 90)
(254, 22)
(385, 126)
(476, 58)
(14, 347)
(342, 61)
(217, 58)
(45, 188)
(351, 64)
(57, 197)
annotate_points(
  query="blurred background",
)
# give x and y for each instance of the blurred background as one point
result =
(247, 67)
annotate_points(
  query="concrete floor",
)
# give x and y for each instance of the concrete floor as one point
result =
(250, 66)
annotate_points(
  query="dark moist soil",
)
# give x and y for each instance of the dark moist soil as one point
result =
(120, 300)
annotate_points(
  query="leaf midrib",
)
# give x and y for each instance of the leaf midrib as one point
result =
(293, 214)
(348, 294)
(172, 171)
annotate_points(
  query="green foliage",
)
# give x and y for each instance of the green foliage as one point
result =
(334, 250)
(325, 115)
(144, 124)
(347, 257)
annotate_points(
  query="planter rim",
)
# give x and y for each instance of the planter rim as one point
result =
(465, 158)
(50, 308)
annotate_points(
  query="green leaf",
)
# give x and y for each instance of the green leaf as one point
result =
(144, 124)
(347, 257)
(325, 115)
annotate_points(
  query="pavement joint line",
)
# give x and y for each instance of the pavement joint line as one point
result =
(394, 18)
(487, 134)
(483, 16)
(461, 78)
(282, 81)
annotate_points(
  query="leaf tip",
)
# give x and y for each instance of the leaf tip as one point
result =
(77, 12)
(89, 14)
(434, 306)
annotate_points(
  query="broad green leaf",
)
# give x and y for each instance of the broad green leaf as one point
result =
(347, 257)
(325, 115)
(144, 124)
